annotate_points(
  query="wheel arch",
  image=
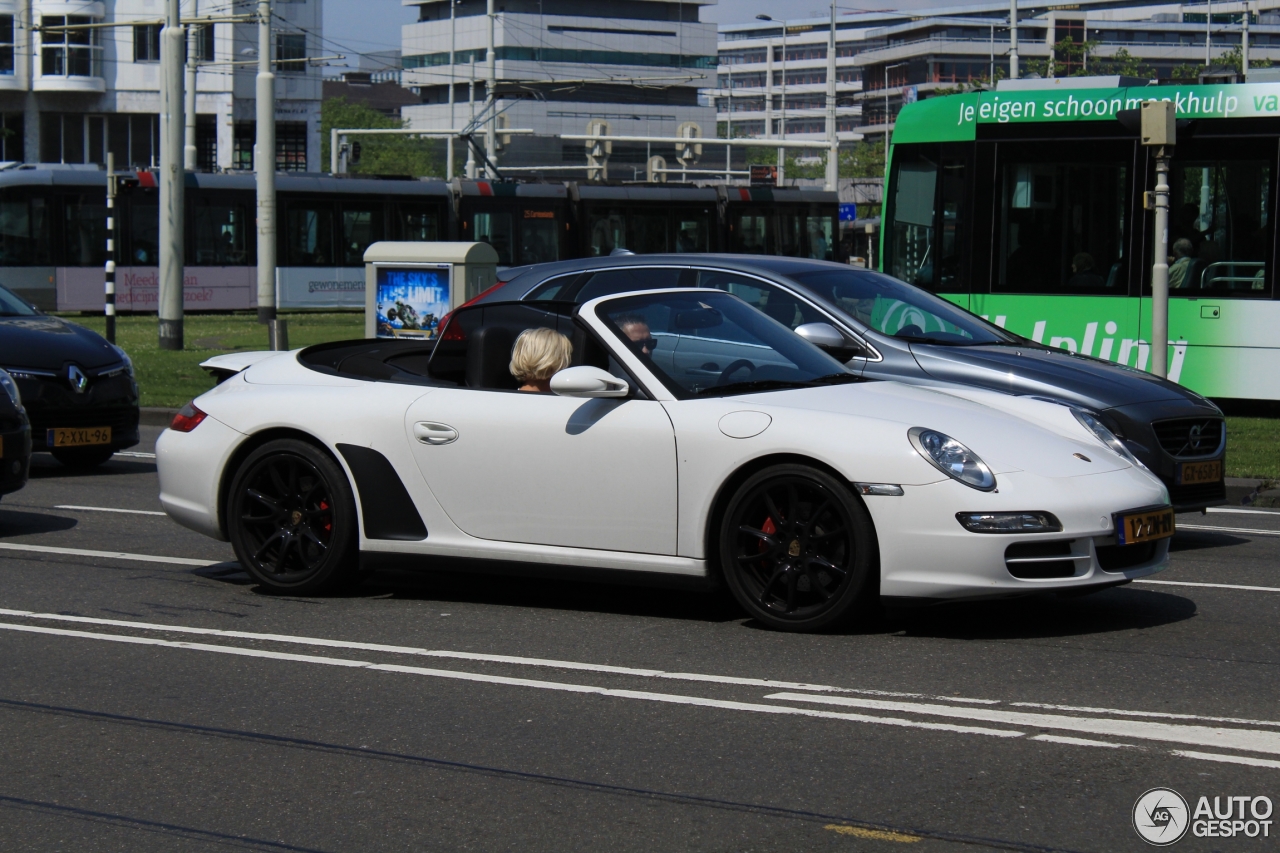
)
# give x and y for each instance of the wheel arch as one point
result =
(711, 535)
(252, 443)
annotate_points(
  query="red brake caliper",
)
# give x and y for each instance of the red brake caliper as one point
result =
(768, 527)
(328, 525)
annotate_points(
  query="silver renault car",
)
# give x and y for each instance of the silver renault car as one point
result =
(884, 328)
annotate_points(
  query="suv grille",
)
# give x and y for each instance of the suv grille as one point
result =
(1188, 438)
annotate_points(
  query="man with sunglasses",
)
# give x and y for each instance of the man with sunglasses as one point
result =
(636, 328)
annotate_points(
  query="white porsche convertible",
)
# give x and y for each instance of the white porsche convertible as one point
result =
(691, 435)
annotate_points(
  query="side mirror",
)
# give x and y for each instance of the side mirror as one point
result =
(588, 382)
(822, 335)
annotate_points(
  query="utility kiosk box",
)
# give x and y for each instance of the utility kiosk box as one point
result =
(409, 287)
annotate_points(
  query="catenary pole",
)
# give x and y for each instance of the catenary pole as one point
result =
(1013, 40)
(264, 164)
(109, 283)
(172, 175)
(833, 155)
(490, 83)
(189, 104)
(453, 80)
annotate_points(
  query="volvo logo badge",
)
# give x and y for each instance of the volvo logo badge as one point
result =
(1193, 438)
(78, 380)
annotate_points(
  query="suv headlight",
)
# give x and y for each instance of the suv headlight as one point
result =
(952, 458)
(11, 388)
(124, 356)
(1092, 423)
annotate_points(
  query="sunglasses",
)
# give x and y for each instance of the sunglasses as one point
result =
(646, 343)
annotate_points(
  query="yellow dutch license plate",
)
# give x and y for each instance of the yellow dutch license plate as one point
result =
(1190, 473)
(81, 437)
(1144, 526)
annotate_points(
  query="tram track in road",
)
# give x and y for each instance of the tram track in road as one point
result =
(1246, 741)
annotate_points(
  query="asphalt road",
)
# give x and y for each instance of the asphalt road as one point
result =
(169, 705)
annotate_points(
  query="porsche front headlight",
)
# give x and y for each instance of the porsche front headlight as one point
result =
(11, 388)
(1092, 423)
(952, 458)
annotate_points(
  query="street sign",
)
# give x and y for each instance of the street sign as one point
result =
(848, 212)
(764, 176)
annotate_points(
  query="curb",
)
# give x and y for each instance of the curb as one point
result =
(155, 416)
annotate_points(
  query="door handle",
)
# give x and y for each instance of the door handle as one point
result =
(428, 432)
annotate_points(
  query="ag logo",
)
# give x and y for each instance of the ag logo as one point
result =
(1160, 816)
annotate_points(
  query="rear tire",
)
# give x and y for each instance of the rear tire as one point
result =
(82, 457)
(291, 517)
(798, 550)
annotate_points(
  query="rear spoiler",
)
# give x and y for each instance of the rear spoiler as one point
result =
(223, 367)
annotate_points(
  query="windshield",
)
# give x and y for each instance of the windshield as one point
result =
(714, 344)
(895, 308)
(12, 306)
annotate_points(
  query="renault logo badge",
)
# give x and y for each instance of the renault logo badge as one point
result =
(77, 379)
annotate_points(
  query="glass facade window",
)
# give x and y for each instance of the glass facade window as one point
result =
(202, 41)
(515, 53)
(146, 43)
(69, 53)
(12, 142)
(291, 47)
(6, 44)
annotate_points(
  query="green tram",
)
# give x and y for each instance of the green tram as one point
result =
(1026, 205)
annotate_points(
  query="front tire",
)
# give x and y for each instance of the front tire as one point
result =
(292, 519)
(798, 549)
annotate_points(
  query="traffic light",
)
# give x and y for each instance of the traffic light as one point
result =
(355, 153)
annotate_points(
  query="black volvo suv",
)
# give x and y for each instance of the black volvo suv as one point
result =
(78, 390)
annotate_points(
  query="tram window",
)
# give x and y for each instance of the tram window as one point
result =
(494, 229)
(361, 227)
(789, 235)
(221, 235)
(1220, 227)
(647, 233)
(820, 237)
(308, 235)
(24, 232)
(607, 233)
(1062, 223)
(752, 234)
(142, 240)
(693, 234)
(539, 240)
(417, 223)
(922, 239)
(85, 230)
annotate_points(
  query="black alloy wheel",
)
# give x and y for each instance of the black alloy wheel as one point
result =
(798, 549)
(82, 457)
(292, 518)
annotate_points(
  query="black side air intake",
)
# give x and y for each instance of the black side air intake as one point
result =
(389, 512)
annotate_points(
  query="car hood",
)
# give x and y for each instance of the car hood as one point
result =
(1020, 435)
(1033, 370)
(47, 343)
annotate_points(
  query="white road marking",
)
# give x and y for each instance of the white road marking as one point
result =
(1229, 759)
(1222, 738)
(1231, 510)
(476, 656)
(110, 555)
(1158, 714)
(1213, 585)
(669, 698)
(108, 509)
(1080, 741)
(1250, 530)
(136, 454)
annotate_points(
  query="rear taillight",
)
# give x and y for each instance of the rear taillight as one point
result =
(187, 418)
